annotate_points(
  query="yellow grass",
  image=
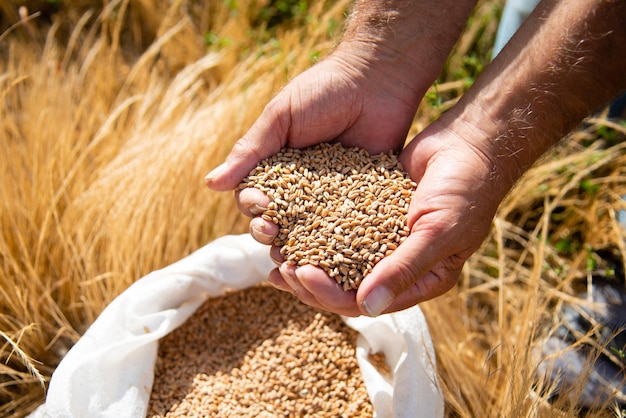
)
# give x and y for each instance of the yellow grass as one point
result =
(487, 329)
(111, 117)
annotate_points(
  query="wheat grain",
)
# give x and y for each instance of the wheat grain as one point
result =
(259, 352)
(337, 208)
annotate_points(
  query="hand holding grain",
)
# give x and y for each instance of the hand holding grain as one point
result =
(330, 101)
(339, 221)
(334, 101)
(336, 208)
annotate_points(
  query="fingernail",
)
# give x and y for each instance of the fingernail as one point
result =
(216, 172)
(257, 209)
(377, 300)
(258, 233)
(287, 273)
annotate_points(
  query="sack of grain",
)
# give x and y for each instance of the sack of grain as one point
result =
(110, 371)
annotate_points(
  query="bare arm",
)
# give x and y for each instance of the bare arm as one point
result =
(410, 39)
(567, 60)
(365, 93)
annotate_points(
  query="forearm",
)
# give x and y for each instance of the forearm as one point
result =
(566, 61)
(411, 40)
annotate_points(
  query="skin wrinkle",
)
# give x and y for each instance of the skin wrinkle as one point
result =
(416, 69)
(545, 98)
(353, 106)
(366, 70)
(303, 116)
(385, 24)
(482, 154)
(279, 127)
(374, 61)
(284, 126)
(242, 147)
(387, 56)
(356, 111)
(408, 273)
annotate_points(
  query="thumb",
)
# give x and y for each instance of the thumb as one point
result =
(266, 137)
(413, 273)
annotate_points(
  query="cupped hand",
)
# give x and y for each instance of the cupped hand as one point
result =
(450, 215)
(459, 190)
(346, 97)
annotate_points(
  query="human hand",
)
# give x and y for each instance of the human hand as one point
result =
(449, 217)
(350, 97)
(344, 98)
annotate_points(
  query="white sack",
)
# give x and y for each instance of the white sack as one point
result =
(412, 390)
(109, 372)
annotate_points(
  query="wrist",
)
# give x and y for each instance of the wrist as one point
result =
(544, 82)
(406, 37)
(502, 147)
(392, 70)
(507, 131)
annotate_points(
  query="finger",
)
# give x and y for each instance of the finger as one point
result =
(425, 288)
(276, 280)
(263, 231)
(288, 272)
(289, 275)
(276, 256)
(328, 293)
(284, 279)
(252, 201)
(398, 273)
(266, 137)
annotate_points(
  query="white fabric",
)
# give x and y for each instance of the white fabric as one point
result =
(412, 389)
(514, 14)
(109, 371)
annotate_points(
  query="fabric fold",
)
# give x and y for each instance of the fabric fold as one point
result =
(109, 372)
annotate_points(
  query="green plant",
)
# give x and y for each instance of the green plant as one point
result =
(278, 12)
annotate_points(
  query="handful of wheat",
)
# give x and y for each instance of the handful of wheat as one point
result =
(337, 208)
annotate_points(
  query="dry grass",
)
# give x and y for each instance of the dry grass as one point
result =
(110, 120)
(487, 330)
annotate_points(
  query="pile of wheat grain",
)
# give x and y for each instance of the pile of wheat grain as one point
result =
(338, 208)
(259, 352)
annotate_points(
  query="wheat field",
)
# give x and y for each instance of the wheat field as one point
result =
(111, 114)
